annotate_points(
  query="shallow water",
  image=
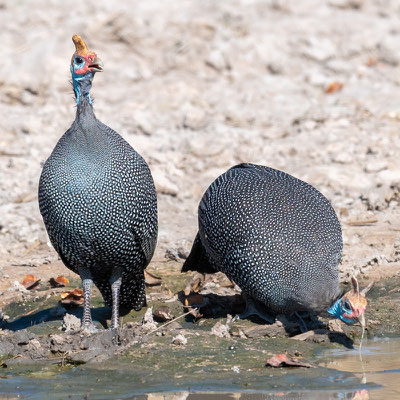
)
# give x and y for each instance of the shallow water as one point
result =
(381, 365)
(341, 376)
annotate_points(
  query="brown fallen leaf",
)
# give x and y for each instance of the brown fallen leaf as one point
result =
(151, 280)
(72, 297)
(30, 282)
(196, 300)
(60, 281)
(282, 361)
(194, 284)
(334, 87)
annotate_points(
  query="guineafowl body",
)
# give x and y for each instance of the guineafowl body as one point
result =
(98, 202)
(275, 236)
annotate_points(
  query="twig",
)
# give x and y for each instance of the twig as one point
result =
(31, 312)
(173, 320)
(362, 222)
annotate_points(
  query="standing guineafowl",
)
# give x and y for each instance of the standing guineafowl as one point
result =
(98, 202)
(279, 239)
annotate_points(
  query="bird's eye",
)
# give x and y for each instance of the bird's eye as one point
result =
(347, 305)
(78, 60)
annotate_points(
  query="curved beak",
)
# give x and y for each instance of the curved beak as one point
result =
(96, 65)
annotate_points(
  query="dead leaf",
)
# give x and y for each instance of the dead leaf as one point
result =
(30, 282)
(334, 87)
(151, 280)
(196, 300)
(283, 361)
(194, 284)
(72, 297)
(60, 281)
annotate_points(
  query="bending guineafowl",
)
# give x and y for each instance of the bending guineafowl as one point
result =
(279, 239)
(98, 202)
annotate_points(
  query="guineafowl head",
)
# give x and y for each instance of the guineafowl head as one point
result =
(84, 64)
(350, 308)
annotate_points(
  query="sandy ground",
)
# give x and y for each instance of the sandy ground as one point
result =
(197, 87)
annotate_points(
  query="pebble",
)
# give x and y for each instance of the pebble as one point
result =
(375, 166)
(179, 340)
(220, 330)
(71, 322)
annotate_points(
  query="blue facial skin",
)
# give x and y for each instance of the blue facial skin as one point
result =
(77, 78)
(338, 309)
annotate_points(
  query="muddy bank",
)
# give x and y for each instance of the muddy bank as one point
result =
(51, 333)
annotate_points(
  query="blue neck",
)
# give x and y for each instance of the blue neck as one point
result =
(82, 85)
(336, 311)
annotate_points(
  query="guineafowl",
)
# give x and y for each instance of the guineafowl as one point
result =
(98, 202)
(278, 239)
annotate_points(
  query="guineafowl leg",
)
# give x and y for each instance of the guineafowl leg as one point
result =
(115, 281)
(253, 307)
(87, 283)
(303, 325)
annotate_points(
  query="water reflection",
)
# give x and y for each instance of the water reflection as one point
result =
(379, 364)
(307, 395)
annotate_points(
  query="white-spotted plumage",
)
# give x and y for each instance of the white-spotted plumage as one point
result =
(274, 235)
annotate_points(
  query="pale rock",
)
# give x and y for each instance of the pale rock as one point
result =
(388, 50)
(319, 48)
(217, 60)
(179, 340)
(71, 323)
(17, 287)
(220, 330)
(148, 322)
(164, 184)
(342, 158)
(375, 166)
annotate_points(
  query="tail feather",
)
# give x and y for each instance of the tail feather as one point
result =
(198, 260)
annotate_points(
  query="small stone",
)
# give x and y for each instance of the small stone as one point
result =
(335, 325)
(179, 340)
(163, 184)
(57, 339)
(236, 369)
(71, 323)
(23, 337)
(342, 158)
(220, 330)
(319, 49)
(375, 166)
(148, 322)
(17, 287)
(35, 344)
(388, 51)
(217, 60)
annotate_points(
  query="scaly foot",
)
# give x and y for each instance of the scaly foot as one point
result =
(89, 328)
